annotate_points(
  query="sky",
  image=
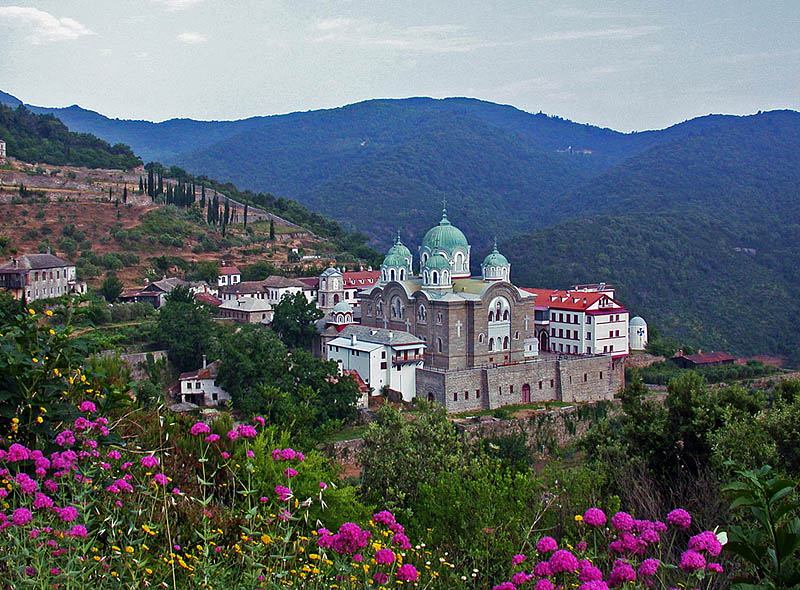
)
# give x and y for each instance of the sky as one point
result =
(629, 66)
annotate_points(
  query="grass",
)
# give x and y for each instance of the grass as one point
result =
(347, 433)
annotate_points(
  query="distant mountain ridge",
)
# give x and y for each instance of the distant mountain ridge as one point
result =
(696, 223)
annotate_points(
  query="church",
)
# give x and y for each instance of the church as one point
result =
(482, 334)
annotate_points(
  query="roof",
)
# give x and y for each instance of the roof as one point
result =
(312, 282)
(229, 270)
(208, 299)
(208, 372)
(399, 249)
(361, 279)
(494, 258)
(362, 387)
(271, 282)
(637, 321)
(445, 236)
(35, 262)
(248, 304)
(279, 282)
(380, 335)
(330, 271)
(569, 300)
(705, 358)
(437, 261)
(360, 345)
(342, 307)
(166, 284)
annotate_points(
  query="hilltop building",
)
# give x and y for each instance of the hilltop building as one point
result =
(484, 342)
(200, 386)
(39, 276)
(228, 275)
(701, 359)
(637, 333)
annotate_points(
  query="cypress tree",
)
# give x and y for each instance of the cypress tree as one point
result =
(160, 182)
(150, 191)
(125, 194)
(141, 186)
(109, 193)
(245, 215)
(271, 230)
(203, 196)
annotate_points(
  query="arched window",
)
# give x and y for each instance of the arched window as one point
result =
(505, 315)
(435, 278)
(383, 274)
(445, 277)
(491, 315)
(425, 277)
(439, 344)
(335, 299)
(459, 262)
(391, 275)
(480, 338)
(505, 343)
(491, 344)
(422, 314)
(348, 318)
(402, 274)
(424, 257)
(397, 308)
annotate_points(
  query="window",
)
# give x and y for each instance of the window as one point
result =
(505, 315)
(585, 377)
(551, 383)
(197, 385)
(561, 332)
(214, 396)
(553, 316)
(439, 318)
(491, 344)
(480, 338)
(552, 332)
(561, 317)
(588, 335)
(601, 374)
(611, 348)
(439, 344)
(422, 314)
(383, 365)
(516, 335)
(455, 396)
(505, 343)
(477, 393)
(588, 350)
(383, 354)
(588, 319)
(510, 389)
(466, 395)
(574, 334)
(491, 315)
(540, 384)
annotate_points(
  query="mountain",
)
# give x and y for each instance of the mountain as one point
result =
(696, 224)
(9, 100)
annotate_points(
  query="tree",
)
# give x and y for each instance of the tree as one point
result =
(111, 287)
(271, 230)
(206, 270)
(185, 330)
(294, 319)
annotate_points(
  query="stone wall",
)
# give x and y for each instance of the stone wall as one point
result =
(136, 361)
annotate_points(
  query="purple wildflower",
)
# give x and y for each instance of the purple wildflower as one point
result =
(546, 545)
(594, 517)
(679, 518)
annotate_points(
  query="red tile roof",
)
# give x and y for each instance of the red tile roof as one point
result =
(704, 358)
(208, 299)
(573, 301)
(208, 372)
(229, 270)
(362, 387)
(361, 278)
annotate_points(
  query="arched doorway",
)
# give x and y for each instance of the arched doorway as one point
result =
(526, 393)
(544, 341)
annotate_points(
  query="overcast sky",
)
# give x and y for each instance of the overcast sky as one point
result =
(625, 65)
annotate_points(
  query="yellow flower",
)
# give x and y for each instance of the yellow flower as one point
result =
(35, 360)
(578, 518)
(39, 419)
(148, 571)
(128, 549)
(48, 313)
(15, 420)
(31, 311)
(52, 332)
(266, 539)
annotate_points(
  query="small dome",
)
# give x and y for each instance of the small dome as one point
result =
(495, 258)
(342, 307)
(399, 249)
(637, 321)
(437, 261)
(395, 260)
(444, 236)
(331, 271)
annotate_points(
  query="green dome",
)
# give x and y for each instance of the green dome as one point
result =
(395, 260)
(342, 307)
(444, 236)
(399, 249)
(437, 262)
(495, 258)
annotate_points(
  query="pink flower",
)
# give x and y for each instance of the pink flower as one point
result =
(401, 541)
(160, 479)
(590, 573)
(679, 518)
(78, 530)
(520, 578)
(225, 455)
(581, 546)
(407, 573)
(323, 485)
(283, 493)
(594, 585)
(505, 586)
(26, 484)
(82, 424)
(200, 428)
(21, 516)
(263, 499)
(622, 521)
(17, 452)
(546, 545)
(706, 541)
(358, 558)
(247, 431)
(518, 559)
(383, 517)
(289, 472)
(150, 461)
(212, 438)
(544, 584)
(42, 501)
(715, 568)
(233, 435)
(288, 454)
(384, 556)
(622, 572)
(68, 513)
(563, 561)
(88, 406)
(542, 569)
(65, 438)
(251, 453)
(594, 517)
(692, 560)
(380, 578)
(649, 567)
(260, 420)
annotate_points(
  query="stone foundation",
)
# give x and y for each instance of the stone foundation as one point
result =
(567, 379)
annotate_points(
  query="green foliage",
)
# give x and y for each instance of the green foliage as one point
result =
(43, 138)
(769, 538)
(294, 318)
(300, 393)
(185, 330)
(205, 270)
(111, 287)
(663, 372)
(260, 271)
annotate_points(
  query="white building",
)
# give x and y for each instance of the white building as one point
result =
(2, 151)
(272, 289)
(39, 276)
(247, 310)
(382, 358)
(200, 387)
(228, 275)
(637, 333)
(582, 321)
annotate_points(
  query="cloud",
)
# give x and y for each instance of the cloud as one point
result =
(607, 33)
(570, 12)
(192, 37)
(43, 26)
(445, 38)
(176, 5)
